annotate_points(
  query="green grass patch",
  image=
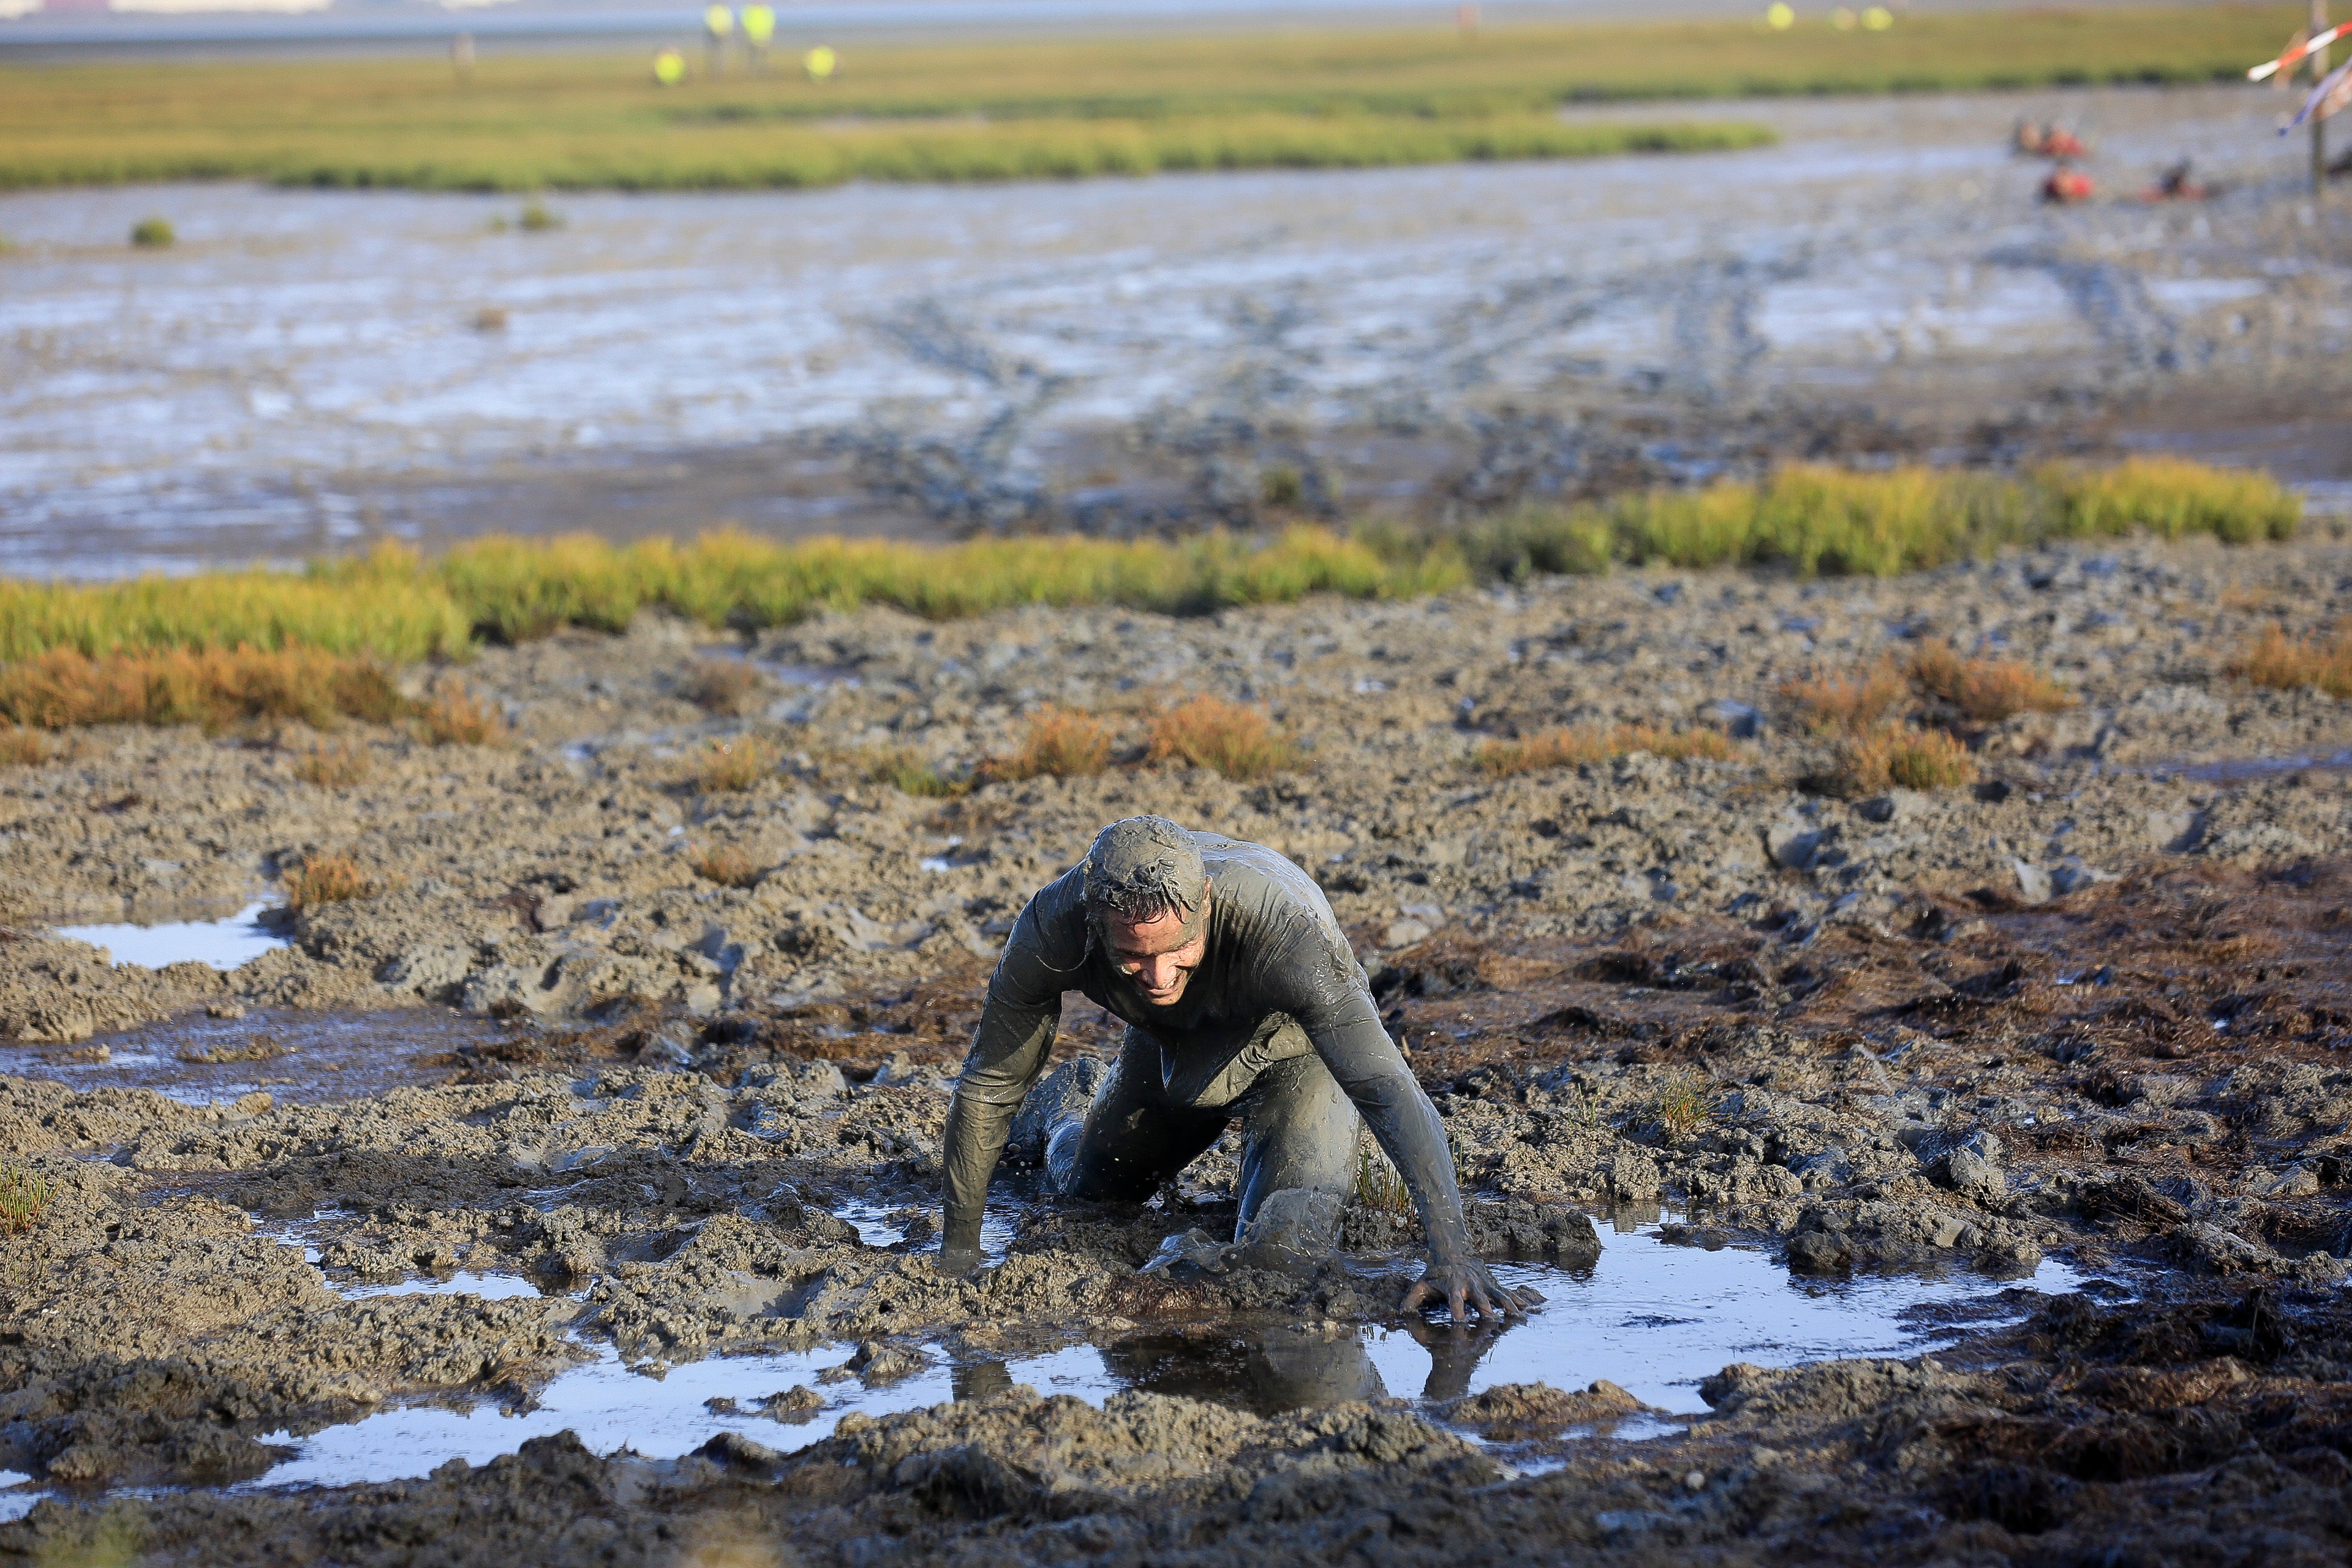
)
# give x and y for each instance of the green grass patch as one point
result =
(1031, 109)
(214, 647)
(1830, 521)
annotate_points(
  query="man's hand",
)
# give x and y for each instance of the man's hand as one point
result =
(1466, 1289)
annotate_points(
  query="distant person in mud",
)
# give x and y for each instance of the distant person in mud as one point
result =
(1243, 1000)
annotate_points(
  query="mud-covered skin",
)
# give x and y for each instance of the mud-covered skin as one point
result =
(1276, 978)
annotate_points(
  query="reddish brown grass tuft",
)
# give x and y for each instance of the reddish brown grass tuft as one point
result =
(1987, 690)
(1831, 703)
(21, 747)
(456, 716)
(2289, 664)
(728, 766)
(333, 879)
(724, 685)
(1900, 756)
(1237, 741)
(335, 767)
(1594, 744)
(212, 687)
(1061, 744)
(725, 865)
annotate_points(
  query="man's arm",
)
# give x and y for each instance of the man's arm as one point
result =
(1008, 1052)
(1325, 991)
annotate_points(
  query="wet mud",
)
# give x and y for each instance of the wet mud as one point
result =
(304, 370)
(1957, 1176)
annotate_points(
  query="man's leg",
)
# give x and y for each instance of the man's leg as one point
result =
(1298, 1131)
(1131, 1139)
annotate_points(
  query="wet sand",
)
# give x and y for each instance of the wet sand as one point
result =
(2013, 1224)
(305, 370)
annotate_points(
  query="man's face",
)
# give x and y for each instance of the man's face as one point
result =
(1155, 955)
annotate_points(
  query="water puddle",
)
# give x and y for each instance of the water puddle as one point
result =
(17, 1495)
(1651, 1317)
(2249, 770)
(300, 1057)
(226, 944)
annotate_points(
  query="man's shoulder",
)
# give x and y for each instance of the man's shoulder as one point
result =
(1253, 876)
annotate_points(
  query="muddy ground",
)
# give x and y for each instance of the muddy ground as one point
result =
(2092, 1008)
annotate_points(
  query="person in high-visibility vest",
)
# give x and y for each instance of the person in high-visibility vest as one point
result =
(670, 68)
(718, 26)
(758, 31)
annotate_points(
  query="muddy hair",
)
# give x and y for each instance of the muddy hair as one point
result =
(1142, 868)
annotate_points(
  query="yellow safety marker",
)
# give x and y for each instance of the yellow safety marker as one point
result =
(719, 21)
(1779, 16)
(759, 25)
(670, 68)
(820, 63)
(1878, 18)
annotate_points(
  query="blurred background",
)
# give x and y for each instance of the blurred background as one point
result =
(280, 280)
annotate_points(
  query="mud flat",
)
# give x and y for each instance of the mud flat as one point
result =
(1916, 1176)
(306, 369)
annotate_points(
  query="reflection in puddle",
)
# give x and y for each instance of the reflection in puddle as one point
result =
(17, 1495)
(223, 944)
(488, 1287)
(311, 1057)
(1652, 1318)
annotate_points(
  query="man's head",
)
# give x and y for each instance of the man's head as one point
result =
(1148, 895)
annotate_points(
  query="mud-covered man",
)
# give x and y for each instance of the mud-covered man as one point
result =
(1242, 1001)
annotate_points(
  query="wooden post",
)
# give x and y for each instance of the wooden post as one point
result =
(2318, 126)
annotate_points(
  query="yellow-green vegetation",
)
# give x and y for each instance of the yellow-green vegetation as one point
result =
(1005, 110)
(153, 233)
(1060, 743)
(1821, 520)
(1599, 742)
(1901, 756)
(909, 773)
(329, 878)
(393, 605)
(24, 1198)
(1683, 1105)
(1378, 1186)
(2289, 664)
(338, 766)
(1237, 741)
(734, 766)
(725, 865)
(388, 606)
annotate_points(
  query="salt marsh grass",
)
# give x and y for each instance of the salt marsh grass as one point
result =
(1901, 756)
(1060, 743)
(1236, 739)
(329, 878)
(1042, 110)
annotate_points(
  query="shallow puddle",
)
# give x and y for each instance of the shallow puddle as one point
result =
(300, 1057)
(1652, 1317)
(224, 943)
